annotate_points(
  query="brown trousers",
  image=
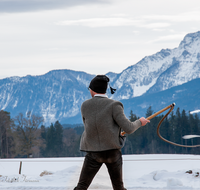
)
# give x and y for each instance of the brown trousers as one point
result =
(93, 162)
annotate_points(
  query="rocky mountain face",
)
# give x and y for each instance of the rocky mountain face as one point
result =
(56, 95)
(161, 71)
(59, 94)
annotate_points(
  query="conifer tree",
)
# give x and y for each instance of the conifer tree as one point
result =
(50, 140)
(178, 131)
(43, 137)
(58, 139)
(172, 123)
(132, 116)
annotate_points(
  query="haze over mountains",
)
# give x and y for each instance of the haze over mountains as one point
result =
(171, 75)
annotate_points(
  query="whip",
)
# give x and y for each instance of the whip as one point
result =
(157, 113)
(171, 107)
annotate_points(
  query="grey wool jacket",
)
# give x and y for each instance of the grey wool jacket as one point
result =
(103, 120)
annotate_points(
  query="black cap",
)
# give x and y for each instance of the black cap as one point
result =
(99, 84)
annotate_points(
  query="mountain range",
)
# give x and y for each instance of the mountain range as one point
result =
(171, 75)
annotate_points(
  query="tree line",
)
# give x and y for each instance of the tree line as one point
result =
(26, 136)
(146, 141)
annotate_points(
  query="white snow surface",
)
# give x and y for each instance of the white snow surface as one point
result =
(140, 172)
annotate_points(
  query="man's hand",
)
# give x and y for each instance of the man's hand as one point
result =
(144, 121)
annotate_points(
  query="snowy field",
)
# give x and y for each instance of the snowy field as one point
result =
(141, 172)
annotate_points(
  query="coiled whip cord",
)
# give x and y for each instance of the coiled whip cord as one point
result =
(170, 142)
(159, 124)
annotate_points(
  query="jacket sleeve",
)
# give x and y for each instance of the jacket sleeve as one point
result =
(122, 121)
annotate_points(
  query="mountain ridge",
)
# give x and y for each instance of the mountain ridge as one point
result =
(58, 94)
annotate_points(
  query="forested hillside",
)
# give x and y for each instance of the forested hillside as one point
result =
(25, 136)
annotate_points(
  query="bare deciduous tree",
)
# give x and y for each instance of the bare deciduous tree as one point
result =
(27, 133)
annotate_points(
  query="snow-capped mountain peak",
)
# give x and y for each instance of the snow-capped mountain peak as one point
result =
(162, 70)
(58, 95)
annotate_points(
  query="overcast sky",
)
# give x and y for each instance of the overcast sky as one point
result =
(94, 36)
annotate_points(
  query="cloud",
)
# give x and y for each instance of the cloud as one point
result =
(100, 22)
(182, 17)
(109, 22)
(154, 22)
(156, 25)
(168, 38)
(35, 5)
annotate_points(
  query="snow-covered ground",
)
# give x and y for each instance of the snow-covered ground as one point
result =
(141, 172)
